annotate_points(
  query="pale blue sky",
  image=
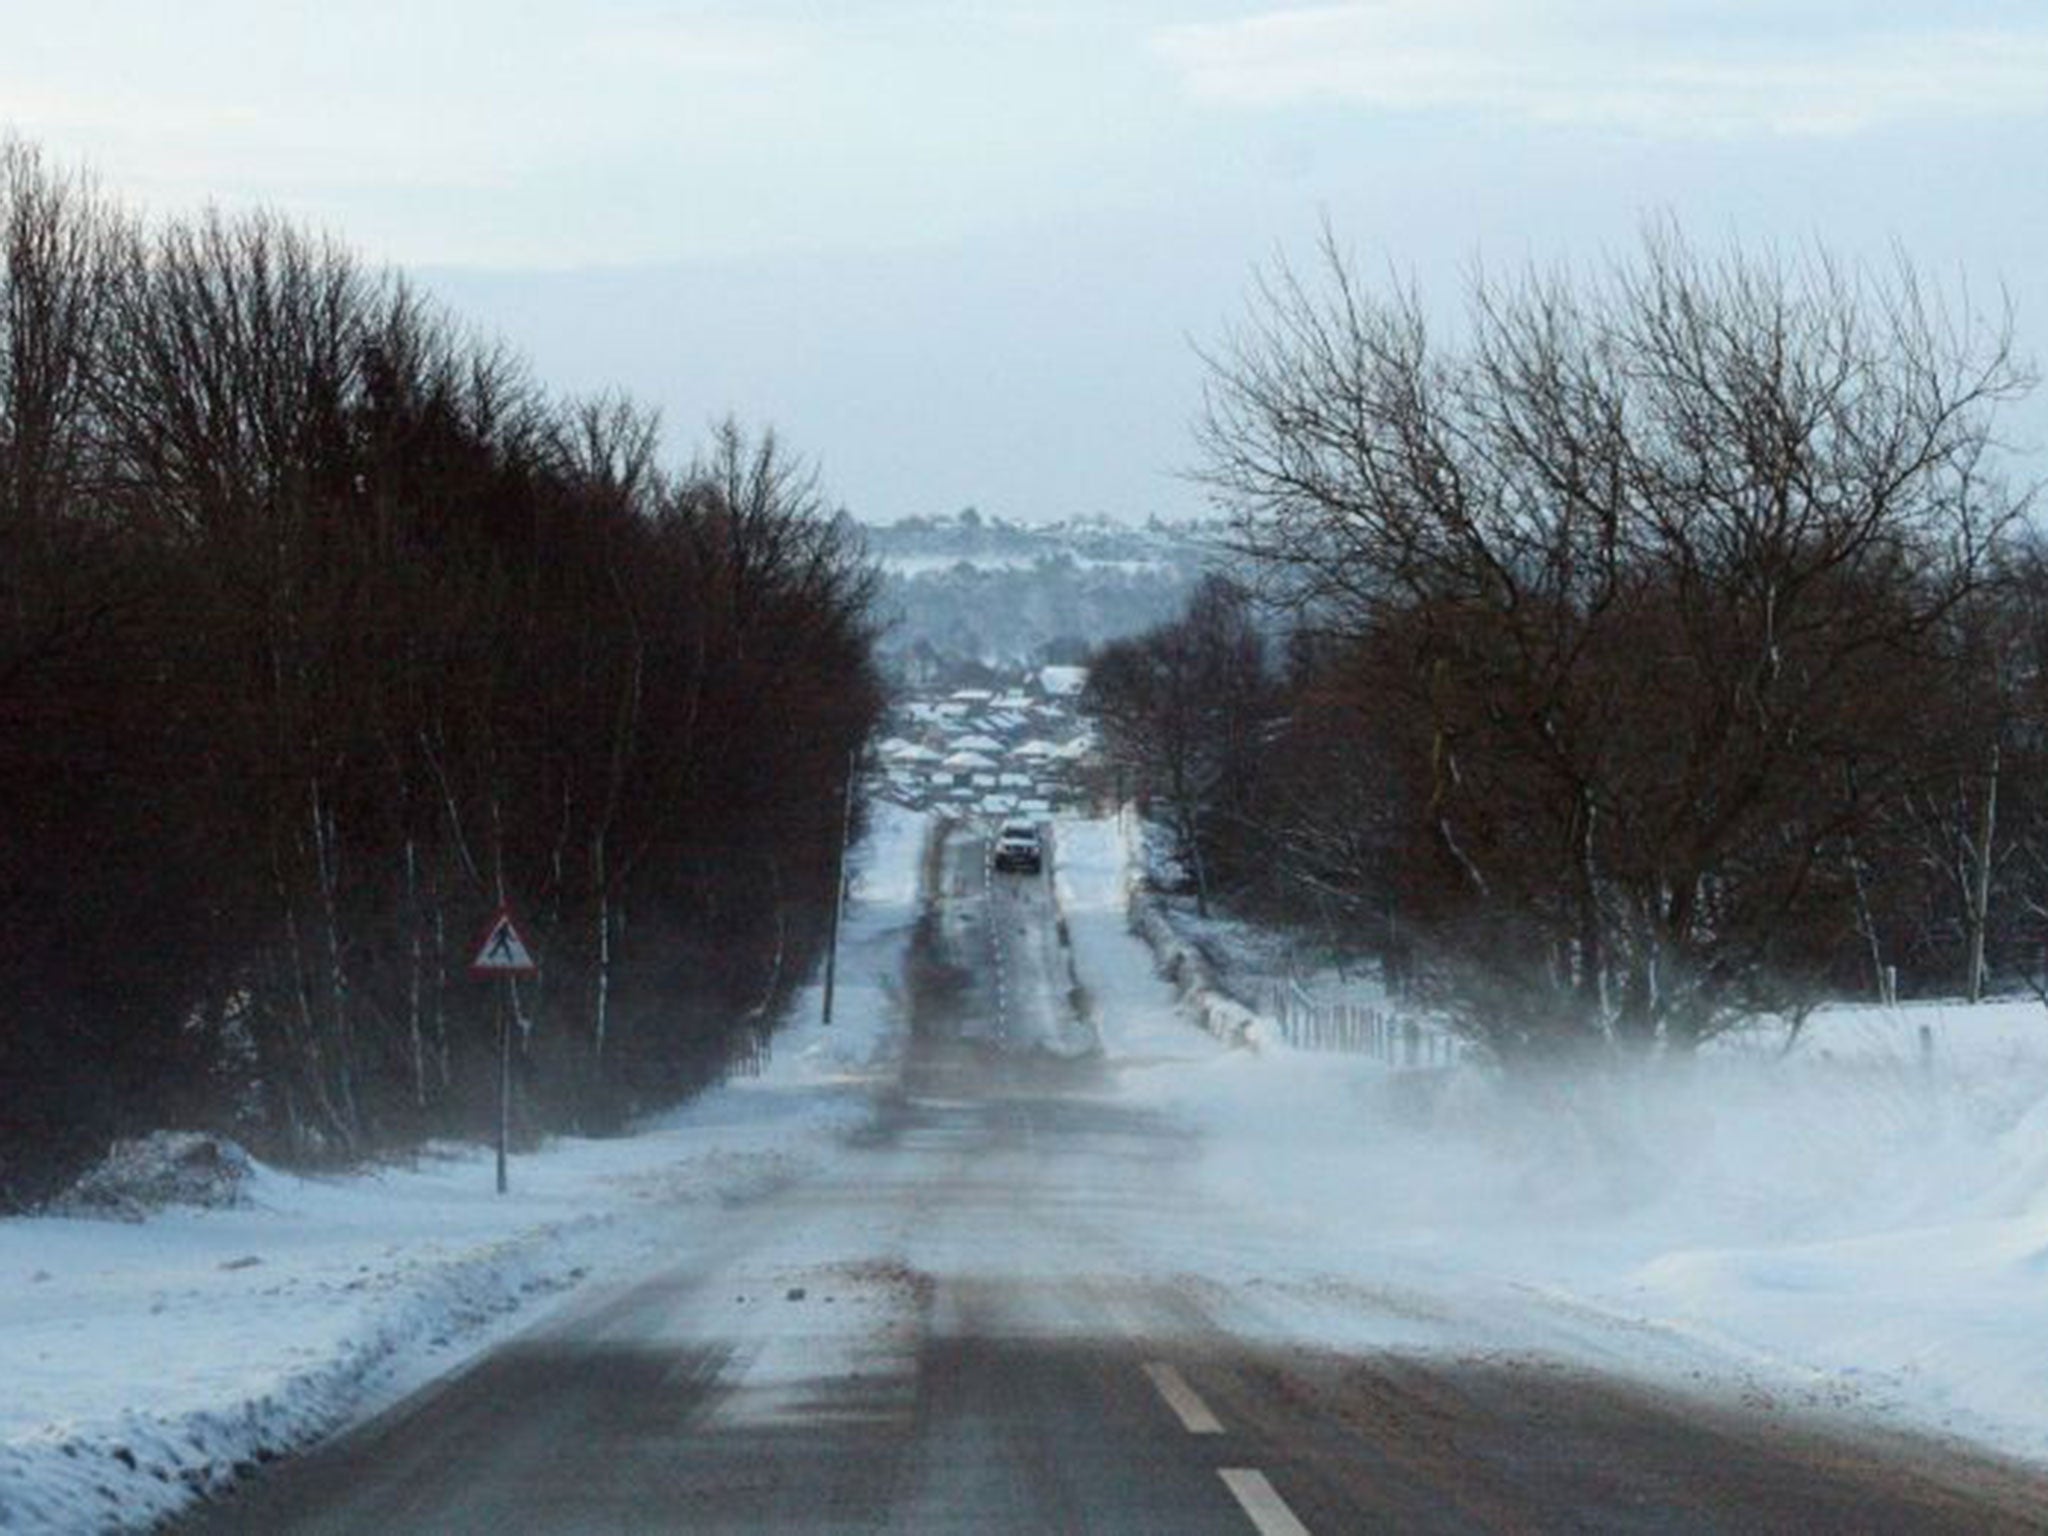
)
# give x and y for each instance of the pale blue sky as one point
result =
(956, 251)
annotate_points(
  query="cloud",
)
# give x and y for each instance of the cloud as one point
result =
(1604, 65)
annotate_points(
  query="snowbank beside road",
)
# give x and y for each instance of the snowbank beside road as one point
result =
(146, 1362)
(1136, 1018)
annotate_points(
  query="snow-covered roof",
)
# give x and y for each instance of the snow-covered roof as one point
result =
(977, 744)
(1062, 681)
(1036, 747)
(960, 761)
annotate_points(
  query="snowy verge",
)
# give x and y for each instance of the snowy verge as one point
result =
(1194, 979)
(1858, 1225)
(1180, 962)
(149, 1362)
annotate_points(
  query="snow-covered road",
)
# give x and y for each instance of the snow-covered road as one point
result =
(1011, 1248)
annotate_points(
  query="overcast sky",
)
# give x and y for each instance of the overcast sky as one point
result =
(957, 252)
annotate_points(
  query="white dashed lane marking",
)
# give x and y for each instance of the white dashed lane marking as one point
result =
(1193, 1413)
(1261, 1501)
(995, 941)
(1254, 1493)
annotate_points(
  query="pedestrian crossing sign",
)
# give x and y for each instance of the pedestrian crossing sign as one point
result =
(504, 950)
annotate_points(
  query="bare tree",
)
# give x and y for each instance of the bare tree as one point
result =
(1646, 559)
(59, 247)
(323, 629)
(1184, 707)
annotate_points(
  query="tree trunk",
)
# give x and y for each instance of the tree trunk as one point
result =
(601, 877)
(1980, 895)
(415, 980)
(325, 864)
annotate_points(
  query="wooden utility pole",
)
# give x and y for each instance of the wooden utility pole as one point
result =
(839, 885)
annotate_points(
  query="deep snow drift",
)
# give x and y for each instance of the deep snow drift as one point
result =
(1849, 1225)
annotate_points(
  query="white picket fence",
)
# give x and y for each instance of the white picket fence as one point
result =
(1311, 1024)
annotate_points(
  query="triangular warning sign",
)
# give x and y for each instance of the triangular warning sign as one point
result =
(503, 951)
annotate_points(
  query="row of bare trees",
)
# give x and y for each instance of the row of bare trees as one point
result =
(1656, 644)
(323, 631)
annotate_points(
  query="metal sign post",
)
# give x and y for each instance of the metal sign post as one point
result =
(503, 952)
(504, 1080)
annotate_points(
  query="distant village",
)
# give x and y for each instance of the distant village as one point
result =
(1018, 749)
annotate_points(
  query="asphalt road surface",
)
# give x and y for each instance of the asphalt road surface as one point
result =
(1028, 1373)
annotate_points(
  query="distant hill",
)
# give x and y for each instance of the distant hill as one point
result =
(972, 589)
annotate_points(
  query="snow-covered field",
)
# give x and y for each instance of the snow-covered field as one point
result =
(1849, 1227)
(144, 1360)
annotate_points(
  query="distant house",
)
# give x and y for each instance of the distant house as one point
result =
(1062, 682)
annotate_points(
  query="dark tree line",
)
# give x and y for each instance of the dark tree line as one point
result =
(1657, 649)
(1184, 707)
(323, 630)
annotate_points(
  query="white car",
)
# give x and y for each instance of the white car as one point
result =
(1019, 847)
